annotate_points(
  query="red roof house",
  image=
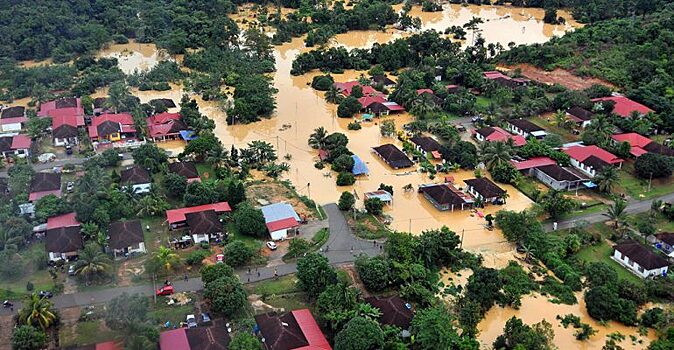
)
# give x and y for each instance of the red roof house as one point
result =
(176, 217)
(296, 330)
(496, 134)
(592, 159)
(366, 101)
(624, 106)
(112, 127)
(65, 220)
(61, 107)
(532, 163)
(175, 339)
(345, 88)
(165, 126)
(641, 144)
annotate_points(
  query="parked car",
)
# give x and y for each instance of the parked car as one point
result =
(165, 290)
(220, 259)
(191, 321)
(69, 150)
(70, 186)
(205, 318)
(71, 270)
(45, 294)
(271, 245)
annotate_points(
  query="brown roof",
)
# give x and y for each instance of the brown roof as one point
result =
(13, 112)
(107, 128)
(279, 336)
(63, 239)
(442, 194)
(485, 187)
(99, 102)
(203, 222)
(393, 156)
(45, 182)
(186, 169)
(596, 163)
(65, 131)
(67, 102)
(135, 175)
(580, 113)
(6, 143)
(558, 173)
(525, 125)
(382, 79)
(393, 311)
(167, 102)
(667, 237)
(125, 234)
(486, 131)
(426, 143)
(214, 337)
(643, 256)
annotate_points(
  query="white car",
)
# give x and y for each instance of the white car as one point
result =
(271, 245)
(191, 321)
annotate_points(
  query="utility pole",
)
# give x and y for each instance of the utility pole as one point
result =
(463, 231)
(650, 181)
(410, 226)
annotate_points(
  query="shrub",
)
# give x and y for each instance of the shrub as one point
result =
(652, 164)
(374, 206)
(346, 201)
(297, 247)
(237, 253)
(322, 82)
(345, 179)
(348, 107)
(374, 272)
(354, 126)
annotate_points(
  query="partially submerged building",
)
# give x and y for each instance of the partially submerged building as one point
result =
(393, 156)
(446, 197)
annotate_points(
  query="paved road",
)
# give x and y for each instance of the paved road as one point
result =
(61, 162)
(342, 247)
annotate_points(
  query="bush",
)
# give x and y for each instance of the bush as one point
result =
(28, 338)
(237, 253)
(652, 164)
(322, 82)
(653, 317)
(314, 274)
(345, 179)
(195, 257)
(297, 247)
(249, 221)
(343, 163)
(354, 126)
(374, 272)
(374, 206)
(504, 173)
(348, 107)
(346, 201)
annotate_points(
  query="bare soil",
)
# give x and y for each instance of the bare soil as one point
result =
(559, 76)
(274, 192)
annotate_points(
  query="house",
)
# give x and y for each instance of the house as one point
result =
(136, 177)
(68, 106)
(112, 127)
(429, 94)
(505, 80)
(382, 195)
(452, 89)
(484, 189)
(665, 242)
(525, 128)
(296, 329)
(446, 197)
(528, 165)
(394, 311)
(559, 178)
(346, 88)
(591, 159)
(177, 217)
(204, 226)
(640, 145)
(65, 129)
(12, 118)
(383, 80)
(64, 220)
(640, 260)
(580, 116)
(63, 242)
(166, 102)
(185, 169)
(425, 144)
(126, 237)
(496, 134)
(378, 105)
(280, 218)
(43, 184)
(15, 146)
(212, 337)
(359, 167)
(99, 105)
(623, 106)
(165, 126)
(392, 156)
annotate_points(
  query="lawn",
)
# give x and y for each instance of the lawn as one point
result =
(86, 333)
(482, 101)
(158, 233)
(40, 279)
(602, 253)
(162, 312)
(638, 188)
(528, 186)
(283, 285)
(368, 227)
(551, 127)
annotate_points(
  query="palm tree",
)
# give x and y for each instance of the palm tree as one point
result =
(616, 213)
(332, 95)
(422, 105)
(89, 230)
(496, 153)
(606, 178)
(263, 151)
(528, 252)
(601, 128)
(472, 25)
(317, 138)
(368, 311)
(37, 311)
(92, 262)
(117, 96)
(151, 204)
(165, 260)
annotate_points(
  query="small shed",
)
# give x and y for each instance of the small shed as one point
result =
(382, 195)
(280, 218)
(359, 167)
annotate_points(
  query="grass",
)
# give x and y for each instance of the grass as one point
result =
(551, 127)
(368, 227)
(638, 188)
(590, 209)
(85, 333)
(205, 170)
(602, 253)
(162, 312)
(14, 288)
(157, 235)
(482, 101)
(528, 186)
(283, 285)
(292, 301)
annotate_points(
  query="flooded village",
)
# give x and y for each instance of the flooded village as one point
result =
(301, 109)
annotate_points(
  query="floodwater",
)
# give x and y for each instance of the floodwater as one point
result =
(134, 56)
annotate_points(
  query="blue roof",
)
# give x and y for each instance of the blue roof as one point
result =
(359, 168)
(589, 184)
(279, 211)
(188, 135)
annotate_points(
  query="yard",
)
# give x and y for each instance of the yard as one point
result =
(40, 278)
(367, 226)
(602, 253)
(639, 188)
(162, 312)
(281, 293)
(86, 333)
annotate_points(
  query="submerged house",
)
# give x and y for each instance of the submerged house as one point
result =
(446, 197)
(640, 260)
(484, 189)
(393, 156)
(359, 167)
(295, 330)
(426, 145)
(591, 159)
(126, 237)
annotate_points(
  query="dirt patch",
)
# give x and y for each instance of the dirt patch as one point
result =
(6, 326)
(351, 271)
(559, 76)
(130, 269)
(274, 192)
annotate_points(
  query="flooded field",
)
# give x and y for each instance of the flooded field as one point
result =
(134, 56)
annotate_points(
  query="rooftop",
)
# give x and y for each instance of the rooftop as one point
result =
(559, 173)
(426, 143)
(624, 106)
(394, 311)
(525, 125)
(178, 215)
(643, 256)
(485, 187)
(63, 239)
(204, 222)
(45, 182)
(393, 156)
(580, 114)
(135, 175)
(125, 234)
(532, 163)
(591, 154)
(294, 330)
(186, 169)
(64, 220)
(280, 216)
(443, 194)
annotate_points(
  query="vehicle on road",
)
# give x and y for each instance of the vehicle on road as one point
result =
(191, 321)
(165, 290)
(272, 245)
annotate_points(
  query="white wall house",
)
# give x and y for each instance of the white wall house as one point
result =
(640, 260)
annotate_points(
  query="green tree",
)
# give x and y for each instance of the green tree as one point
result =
(175, 185)
(606, 178)
(150, 156)
(210, 273)
(28, 338)
(345, 179)
(374, 206)
(556, 204)
(653, 166)
(237, 253)
(118, 97)
(322, 82)
(387, 128)
(360, 334)
(226, 295)
(517, 335)
(314, 274)
(600, 274)
(346, 201)
(484, 287)
(374, 272)
(343, 163)
(432, 329)
(245, 341)
(205, 144)
(37, 312)
(317, 138)
(298, 246)
(249, 221)
(496, 153)
(348, 107)
(50, 205)
(337, 304)
(92, 263)
(616, 213)
(332, 95)
(504, 173)
(125, 312)
(163, 261)
(439, 248)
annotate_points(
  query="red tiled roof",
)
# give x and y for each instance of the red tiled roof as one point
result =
(494, 75)
(500, 135)
(124, 119)
(533, 163)
(392, 106)
(345, 88)
(178, 215)
(66, 119)
(16, 120)
(624, 106)
(311, 331)
(21, 142)
(634, 139)
(111, 345)
(424, 91)
(282, 224)
(175, 339)
(65, 220)
(163, 118)
(33, 196)
(581, 153)
(51, 109)
(365, 101)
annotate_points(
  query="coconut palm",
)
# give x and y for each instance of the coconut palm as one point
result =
(151, 204)
(616, 213)
(496, 153)
(601, 128)
(89, 230)
(92, 262)
(528, 252)
(263, 151)
(317, 138)
(332, 95)
(164, 260)
(606, 178)
(368, 311)
(118, 96)
(37, 311)
(422, 105)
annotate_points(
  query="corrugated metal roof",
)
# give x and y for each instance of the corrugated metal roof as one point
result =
(279, 211)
